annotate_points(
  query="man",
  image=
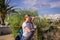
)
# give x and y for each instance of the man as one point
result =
(32, 27)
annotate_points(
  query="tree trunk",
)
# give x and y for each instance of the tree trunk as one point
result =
(3, 18)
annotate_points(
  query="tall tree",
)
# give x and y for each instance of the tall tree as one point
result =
(4, 9)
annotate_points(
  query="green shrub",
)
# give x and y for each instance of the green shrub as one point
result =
(16, 20)
(41, 24)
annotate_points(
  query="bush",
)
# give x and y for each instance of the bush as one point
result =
(16, 20)
(41, 24)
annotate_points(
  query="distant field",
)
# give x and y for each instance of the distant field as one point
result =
(7, 37)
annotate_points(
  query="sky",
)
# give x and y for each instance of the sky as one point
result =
(42, 6)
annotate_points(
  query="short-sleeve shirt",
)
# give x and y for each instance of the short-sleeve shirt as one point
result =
(25, 32)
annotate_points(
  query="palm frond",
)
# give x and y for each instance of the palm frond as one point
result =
(10, 8)
(7, 1)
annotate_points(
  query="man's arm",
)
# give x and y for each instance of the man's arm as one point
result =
(29, 30)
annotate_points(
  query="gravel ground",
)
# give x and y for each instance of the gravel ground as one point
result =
(7, 37)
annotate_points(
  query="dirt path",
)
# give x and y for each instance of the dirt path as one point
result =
(6, 37)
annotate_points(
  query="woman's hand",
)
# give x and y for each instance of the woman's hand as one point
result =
(35, 26)
(33, 30)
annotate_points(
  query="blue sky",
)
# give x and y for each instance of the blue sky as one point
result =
(43, 6)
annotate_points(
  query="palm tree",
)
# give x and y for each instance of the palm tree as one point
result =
(4, 9)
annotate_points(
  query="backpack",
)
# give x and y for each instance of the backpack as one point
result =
(17, 37)
(20, 31)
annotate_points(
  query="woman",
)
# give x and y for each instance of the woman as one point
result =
(26, 26)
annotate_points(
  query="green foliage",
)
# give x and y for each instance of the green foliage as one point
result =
(41, 24)
(5, 8)
(44, 23)
(16, 20)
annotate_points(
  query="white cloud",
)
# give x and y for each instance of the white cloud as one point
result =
(30, 2)
(34, 8)
(55, 4)
(41, 4)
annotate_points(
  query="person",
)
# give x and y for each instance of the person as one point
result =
(33, 27)
(27, 28)
(32, 21)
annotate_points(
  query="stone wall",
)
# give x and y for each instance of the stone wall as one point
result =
(5, 30)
